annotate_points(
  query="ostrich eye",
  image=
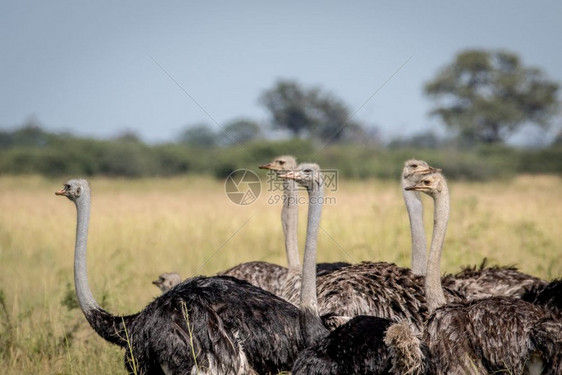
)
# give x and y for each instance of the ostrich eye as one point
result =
(281, 162)
(308, 170)
(426, 182)
(414, 165)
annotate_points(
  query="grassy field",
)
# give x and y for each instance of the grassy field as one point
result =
(140, 228)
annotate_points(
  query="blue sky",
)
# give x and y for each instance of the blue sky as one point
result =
(101, 67)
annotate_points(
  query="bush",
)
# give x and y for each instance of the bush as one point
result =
(63, 155)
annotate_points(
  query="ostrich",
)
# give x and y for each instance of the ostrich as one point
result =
(167, 281)
(273, 277)
(378, 289)
(359, 346)
(207, 325)
(491, 335)
(470, 282)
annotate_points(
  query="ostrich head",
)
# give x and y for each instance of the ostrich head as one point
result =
(414, 168)
(167, 281)
(281, 163)
(73, 189)
(306, 174)
(431, 184)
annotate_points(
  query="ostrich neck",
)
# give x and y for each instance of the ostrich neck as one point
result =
(308, 287)
(309, 319)
(109, 327)
(415, 214)
(85, 296)
(433, 288)
(289, 220)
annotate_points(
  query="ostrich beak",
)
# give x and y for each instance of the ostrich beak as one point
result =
(289, 174)
(415, 188)
(61, 192)
(270, 166)
(156, 282)
(429, 170)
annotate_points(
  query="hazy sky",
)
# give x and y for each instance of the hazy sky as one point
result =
(100, 67)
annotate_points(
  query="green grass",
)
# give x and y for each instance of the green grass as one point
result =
(141, 228)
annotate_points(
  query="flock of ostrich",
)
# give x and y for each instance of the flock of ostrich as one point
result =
(336, 318)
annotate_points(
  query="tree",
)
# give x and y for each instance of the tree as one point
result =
(240, 131)
(199, 136)
(488, 95)
(308, 111)
(334, 122)
(288, 103)
(128, 136)
(29, 134)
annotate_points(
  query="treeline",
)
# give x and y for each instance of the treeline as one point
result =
(31, 150)
(482, 97)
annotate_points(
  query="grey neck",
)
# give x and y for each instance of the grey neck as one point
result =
(108, 326)
(289, 220)
(85, 298)
(419, 243)
(308, 287)
(433, 288)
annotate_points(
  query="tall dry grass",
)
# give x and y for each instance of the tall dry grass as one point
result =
(140, 228)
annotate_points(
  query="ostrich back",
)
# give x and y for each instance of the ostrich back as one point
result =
(377, 289)
(264, 275)
(215, 325)
(497, 335)
(274, 278)
(483, 282)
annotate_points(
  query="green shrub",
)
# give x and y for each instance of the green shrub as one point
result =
(63, 155)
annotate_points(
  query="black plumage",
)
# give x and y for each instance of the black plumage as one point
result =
(362, 346)
(235, 327)
(336, 354)
(549, 295)
(326, 268)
